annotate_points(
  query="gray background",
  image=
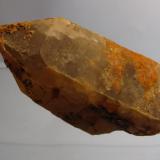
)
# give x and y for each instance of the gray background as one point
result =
(27, 131)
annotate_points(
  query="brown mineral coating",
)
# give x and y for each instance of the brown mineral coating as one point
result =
(83, 78)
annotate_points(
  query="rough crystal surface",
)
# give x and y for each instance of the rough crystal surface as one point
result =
(84, 78)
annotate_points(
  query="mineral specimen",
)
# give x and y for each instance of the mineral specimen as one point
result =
(83, 78)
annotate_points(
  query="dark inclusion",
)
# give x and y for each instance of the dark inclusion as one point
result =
(19, 71)
(111, 117)
(27, 83)
(55, 92)
(39, 101)
(72, 117)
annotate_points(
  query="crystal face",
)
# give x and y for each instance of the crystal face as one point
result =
(85, 79)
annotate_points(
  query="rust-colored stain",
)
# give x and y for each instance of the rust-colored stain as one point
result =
(117, 66)
(14, 27)
(145, 69)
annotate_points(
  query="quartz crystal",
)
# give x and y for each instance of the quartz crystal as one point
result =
(83, 78)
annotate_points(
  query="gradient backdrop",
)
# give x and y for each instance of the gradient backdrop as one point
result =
(29, 132)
